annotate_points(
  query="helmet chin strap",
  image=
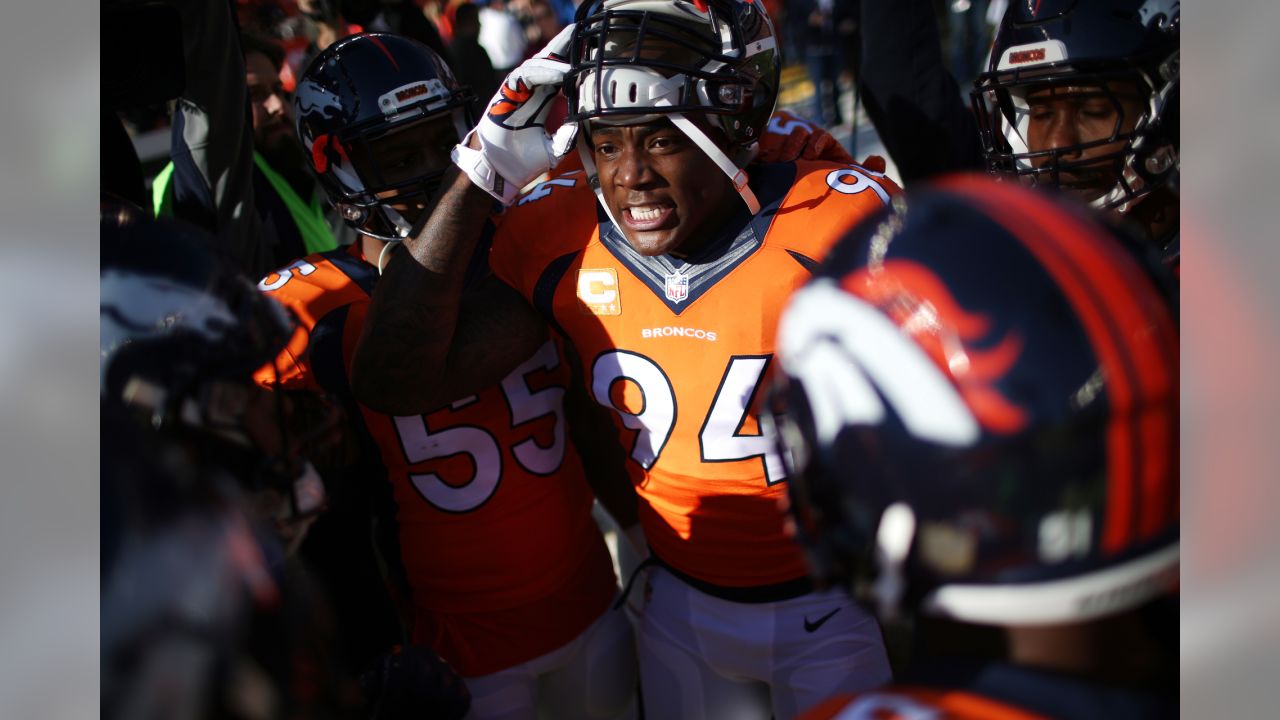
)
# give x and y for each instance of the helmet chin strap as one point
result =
(737, 175)
(403, 227)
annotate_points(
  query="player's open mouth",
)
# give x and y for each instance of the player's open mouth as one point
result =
(646, 217)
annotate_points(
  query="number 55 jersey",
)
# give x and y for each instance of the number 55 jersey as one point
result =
(679, 349)
(501, 553)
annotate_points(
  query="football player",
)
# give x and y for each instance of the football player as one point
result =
(1078, 95)
(1085, 97)
(664, 262)
(503, 571)
(992, 442)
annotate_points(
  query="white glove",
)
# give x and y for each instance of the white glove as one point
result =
(514, 145)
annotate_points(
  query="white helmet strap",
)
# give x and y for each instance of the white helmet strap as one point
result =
(737, 175)
(403, 227)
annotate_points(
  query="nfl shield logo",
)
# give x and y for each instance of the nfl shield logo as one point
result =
(677, 287)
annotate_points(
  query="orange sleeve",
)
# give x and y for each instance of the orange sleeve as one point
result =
(288, 371)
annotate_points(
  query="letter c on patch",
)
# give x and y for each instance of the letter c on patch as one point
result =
(597, 287)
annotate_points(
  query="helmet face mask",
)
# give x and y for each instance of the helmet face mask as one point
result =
(1108, 61)
(1107, 166)
(634, 60)
(401, 166)
(629, 62)
(359, 106)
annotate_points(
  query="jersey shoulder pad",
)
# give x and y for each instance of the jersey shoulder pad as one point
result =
(318, 284)
(823, 201)
(557, 217)
(555, 194)
(823, 180)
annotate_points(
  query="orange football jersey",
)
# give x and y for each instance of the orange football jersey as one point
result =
(493, 508)
(680, 350)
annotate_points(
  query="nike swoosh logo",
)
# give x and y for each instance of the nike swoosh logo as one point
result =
(814, 625)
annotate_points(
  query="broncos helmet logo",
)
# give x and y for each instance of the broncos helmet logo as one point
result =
(509, 100)
(920, 303)
(314, 100)
(325, 150)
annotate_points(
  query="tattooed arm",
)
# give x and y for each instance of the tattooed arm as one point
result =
(423, 344)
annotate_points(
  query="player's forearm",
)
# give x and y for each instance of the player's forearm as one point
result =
(403, 353)
(212, 137)
(913, 101)
(448, 240)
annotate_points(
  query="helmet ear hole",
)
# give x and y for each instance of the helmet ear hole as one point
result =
(1159, 162)
(351, 213)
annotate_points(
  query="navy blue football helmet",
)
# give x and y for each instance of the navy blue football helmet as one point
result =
(182, 334)
(1120, 53)
(635, 60)
(977, 399)
(379, 114)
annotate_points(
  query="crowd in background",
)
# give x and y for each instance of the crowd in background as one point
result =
(820, 42)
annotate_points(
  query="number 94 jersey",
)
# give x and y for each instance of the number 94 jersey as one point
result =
(679, 348)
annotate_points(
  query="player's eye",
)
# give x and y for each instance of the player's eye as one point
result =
(668, 141)
(1042, 115)
(1098, 110)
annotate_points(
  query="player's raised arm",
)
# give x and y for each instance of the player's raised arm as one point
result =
(423, 346)
(419, 349)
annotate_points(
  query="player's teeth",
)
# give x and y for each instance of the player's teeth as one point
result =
(645, 214)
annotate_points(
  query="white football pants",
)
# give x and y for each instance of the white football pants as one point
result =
(705, 658)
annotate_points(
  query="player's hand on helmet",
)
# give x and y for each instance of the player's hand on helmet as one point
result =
(790, 137)
(510, 146)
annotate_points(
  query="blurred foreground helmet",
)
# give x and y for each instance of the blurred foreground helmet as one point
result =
(176, 316)
(379, 115)
(202, 616)
(977, 398)
(635, 60)
(1096, 52)
(182, 333)
(183, 576)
